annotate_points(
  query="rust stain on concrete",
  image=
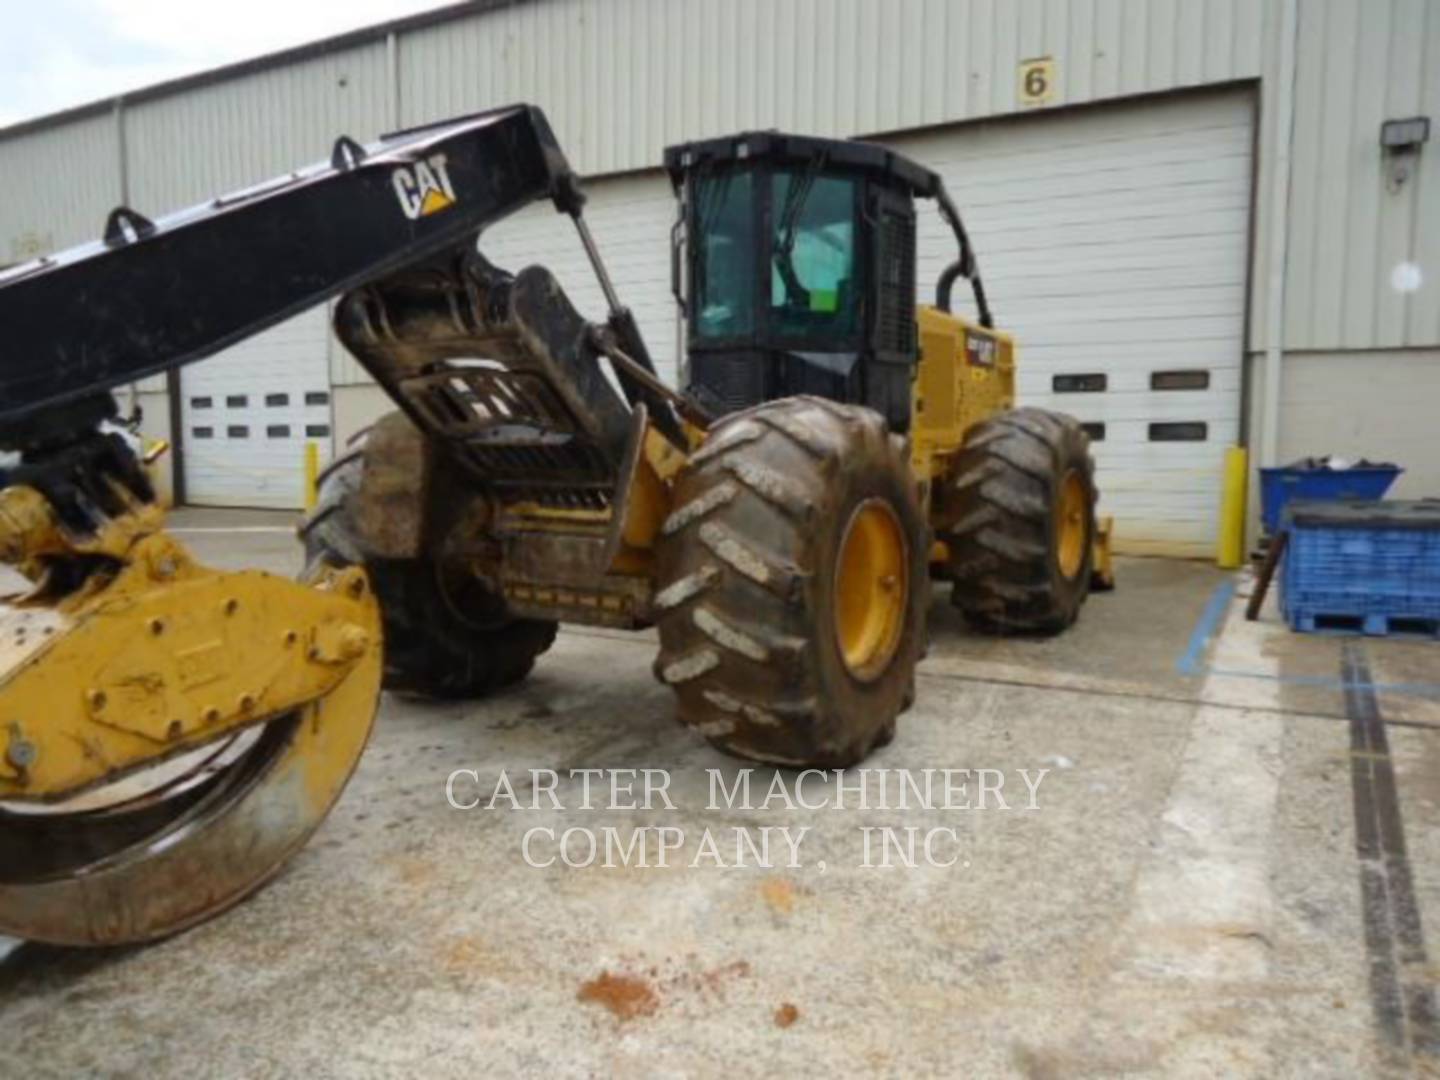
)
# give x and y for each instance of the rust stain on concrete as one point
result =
(626, 996)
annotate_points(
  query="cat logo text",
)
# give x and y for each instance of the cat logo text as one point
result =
(424, 187)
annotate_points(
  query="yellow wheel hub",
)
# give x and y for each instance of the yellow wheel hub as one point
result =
(871, 589)
(1070, 524)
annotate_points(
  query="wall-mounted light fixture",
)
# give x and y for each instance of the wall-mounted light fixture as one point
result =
(1401, 141)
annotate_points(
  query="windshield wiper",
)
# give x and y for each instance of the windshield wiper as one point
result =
(795, 200)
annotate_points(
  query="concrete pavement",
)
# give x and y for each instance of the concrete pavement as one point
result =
(1191, 895)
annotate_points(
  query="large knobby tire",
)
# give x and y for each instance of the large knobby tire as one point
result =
(1022, 496)
(446, 636)
(790, 586)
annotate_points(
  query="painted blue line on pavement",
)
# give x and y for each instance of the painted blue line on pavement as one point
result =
(1189, 663)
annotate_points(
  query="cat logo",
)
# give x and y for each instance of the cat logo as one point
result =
(979, 349)
(424, 187)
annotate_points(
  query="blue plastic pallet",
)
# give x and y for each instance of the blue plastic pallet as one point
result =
(1363, 567)
(1372, 625)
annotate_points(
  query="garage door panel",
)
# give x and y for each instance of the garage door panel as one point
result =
(1139, 303)
(1101, 183)
(1065, 241)
(1134, 393)
(1102, 281)
(1160, 331)
(1115, 241)
(1106, 188)
(1183, 257)
(249, 411)
(1132, 356)
(1136, 406)
(1124, 371)
(999, 153)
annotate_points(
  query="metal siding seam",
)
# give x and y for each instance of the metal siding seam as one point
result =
(1305, 145)
(1134, 46)
(1396, 217)
(1078, 64)
(1279, 215)
(1423, 325)
(1333, 276)
(1107, 38)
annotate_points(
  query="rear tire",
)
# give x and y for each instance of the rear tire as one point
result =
(446, 636)
(791, 583)
(1021, 497)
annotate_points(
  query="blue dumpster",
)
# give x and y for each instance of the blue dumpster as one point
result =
(1308, 481)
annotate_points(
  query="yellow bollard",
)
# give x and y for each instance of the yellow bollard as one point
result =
(1230, 547)
(312, 474)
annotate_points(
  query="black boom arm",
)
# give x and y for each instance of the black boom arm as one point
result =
(155, 295)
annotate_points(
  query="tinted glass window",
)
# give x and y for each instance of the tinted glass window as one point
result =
(812, 273)
(723, 290)
(1079, 384)
(1180, 380)
(1183, 431)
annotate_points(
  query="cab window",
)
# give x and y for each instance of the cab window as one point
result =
(724, 266)
(812, 273)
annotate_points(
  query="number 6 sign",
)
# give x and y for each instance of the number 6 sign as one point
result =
(1037, 81)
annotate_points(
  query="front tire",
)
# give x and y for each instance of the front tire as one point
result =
(790, 599)
(446, 636)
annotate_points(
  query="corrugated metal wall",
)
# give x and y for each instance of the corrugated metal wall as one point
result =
(621, 78)
(215, 138)
(1358, 64)
(189, 147)
(58, 184)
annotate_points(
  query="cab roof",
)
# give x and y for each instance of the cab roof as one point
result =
(779, 147)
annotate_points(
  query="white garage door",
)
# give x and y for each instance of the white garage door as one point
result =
(249, 412)
(1114, 244)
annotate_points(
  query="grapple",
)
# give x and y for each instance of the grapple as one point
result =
(170, 733)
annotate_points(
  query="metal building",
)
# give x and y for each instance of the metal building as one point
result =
(1187, 211)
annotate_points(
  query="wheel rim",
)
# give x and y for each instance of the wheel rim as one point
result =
(145, 867)
(1070, 524)
(871, 589)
